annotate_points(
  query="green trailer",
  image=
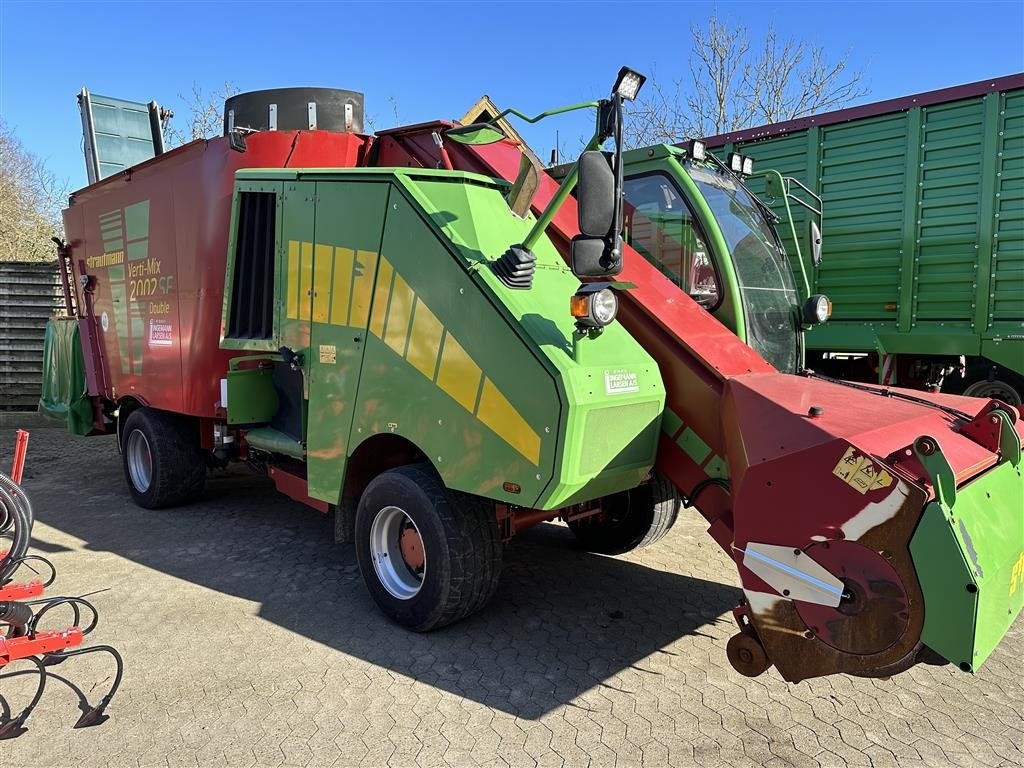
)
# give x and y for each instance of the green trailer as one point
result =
(923, 247)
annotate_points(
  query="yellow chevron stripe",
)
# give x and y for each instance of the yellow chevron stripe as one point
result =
(362, 288)
(323, 263)
(341, 290)
(498, 413)
(306, 281)
(293, 279)
(399, 312)
(458, 375)
(425, 340)
(380, 297)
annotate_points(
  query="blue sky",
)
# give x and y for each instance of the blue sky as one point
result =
(434, 59)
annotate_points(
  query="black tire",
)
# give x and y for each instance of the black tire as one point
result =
(997, 388)
(630, 519)
(178, 467)
(460, 542)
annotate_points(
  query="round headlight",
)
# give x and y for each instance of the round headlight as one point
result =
(818, 309)
(604, 305)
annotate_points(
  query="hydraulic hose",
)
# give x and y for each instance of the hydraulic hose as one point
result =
(17, 615)
(15, 525)
(16, 490)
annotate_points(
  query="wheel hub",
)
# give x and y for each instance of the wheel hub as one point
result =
(411, 546)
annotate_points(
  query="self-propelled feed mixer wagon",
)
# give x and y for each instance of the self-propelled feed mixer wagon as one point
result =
(389, 337)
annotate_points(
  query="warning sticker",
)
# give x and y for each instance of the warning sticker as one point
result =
(861, 472)
(620, 382)
(328, 354)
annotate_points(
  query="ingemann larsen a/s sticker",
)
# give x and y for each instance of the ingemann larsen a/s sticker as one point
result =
(620, 381)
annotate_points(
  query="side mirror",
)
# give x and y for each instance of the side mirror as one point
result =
(815, 237)
(597, 250)
(596, 195)
(595, 256)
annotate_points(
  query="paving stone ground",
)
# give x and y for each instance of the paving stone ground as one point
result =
(249, 640)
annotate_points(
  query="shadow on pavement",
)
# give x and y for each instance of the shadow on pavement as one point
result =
(563, 621)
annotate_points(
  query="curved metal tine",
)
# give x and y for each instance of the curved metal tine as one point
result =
(36, 558)
(54, 602)
(14, 728)
(96, 715)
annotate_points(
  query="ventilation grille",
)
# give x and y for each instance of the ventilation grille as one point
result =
(252, 293)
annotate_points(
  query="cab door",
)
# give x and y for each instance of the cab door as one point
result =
(349, 225)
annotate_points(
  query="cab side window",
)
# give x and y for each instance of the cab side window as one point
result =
(661, 227)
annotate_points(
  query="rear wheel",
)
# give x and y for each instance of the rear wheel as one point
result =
(630, 519)
(995, 389)
(429, 556)
(163, 463)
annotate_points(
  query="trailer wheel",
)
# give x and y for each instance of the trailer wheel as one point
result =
(995, 389)
(429, 556)
(631, 519)
(163, 464)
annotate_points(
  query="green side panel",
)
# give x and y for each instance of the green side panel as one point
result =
(788, 156)
(949, 211)
(608, 377)
(251, 395)
(862, 184)
(971, 567)
(1007, 291)
(923, 231)
(482, 378)
(1008, 352)
(64, 394)
(349, 227)
(424, 380)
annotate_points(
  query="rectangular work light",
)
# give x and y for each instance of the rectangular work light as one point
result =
(628, 83)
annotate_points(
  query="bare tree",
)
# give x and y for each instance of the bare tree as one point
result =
(31, 198)
(205, 116)
(732, 85)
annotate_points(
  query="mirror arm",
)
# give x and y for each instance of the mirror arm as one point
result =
(542, 115)
(556, 202)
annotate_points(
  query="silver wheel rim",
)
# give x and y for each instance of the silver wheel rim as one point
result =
(395, 575)
(140, 461)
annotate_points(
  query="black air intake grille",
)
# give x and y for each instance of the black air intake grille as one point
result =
(252, 293)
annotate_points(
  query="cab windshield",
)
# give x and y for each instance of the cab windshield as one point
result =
(769, 296)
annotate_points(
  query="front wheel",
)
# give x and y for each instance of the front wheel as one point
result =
(630, 519)
(163, 463)
(429, 556)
